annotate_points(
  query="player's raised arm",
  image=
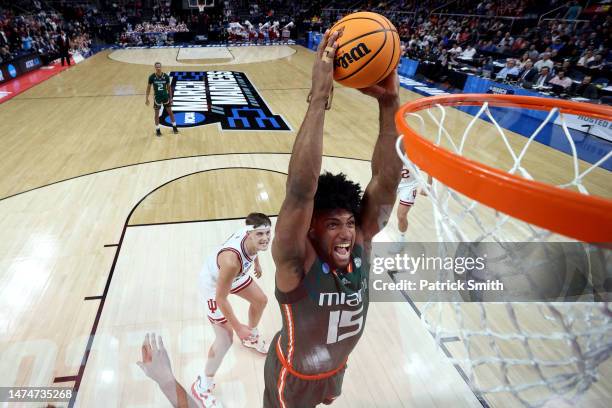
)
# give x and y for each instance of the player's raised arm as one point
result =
(229, 267)
(380, 193)
(289, 245)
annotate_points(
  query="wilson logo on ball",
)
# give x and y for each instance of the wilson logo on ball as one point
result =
(377, 49)
(355, 54)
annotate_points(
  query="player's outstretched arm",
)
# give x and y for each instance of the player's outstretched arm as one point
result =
(156, 365)
(379, 196)
(229, 267)
(293, 223)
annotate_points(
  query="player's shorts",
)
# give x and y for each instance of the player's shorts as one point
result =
(213, 312)
(284, 390)
(157, 104)
(407, 195)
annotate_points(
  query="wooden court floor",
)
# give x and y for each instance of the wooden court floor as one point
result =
(104, 227)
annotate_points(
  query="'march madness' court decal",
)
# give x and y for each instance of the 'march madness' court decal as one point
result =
(224, 97)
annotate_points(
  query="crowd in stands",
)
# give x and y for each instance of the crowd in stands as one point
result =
(569, 51)
(259, 21)
(503, 40)
(138, 35)
(171, 27)
(266, 32)
(38, 31)
(140, 25)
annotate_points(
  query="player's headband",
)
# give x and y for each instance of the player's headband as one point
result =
(264, 228)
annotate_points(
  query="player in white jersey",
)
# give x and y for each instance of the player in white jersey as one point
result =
(407, 191)
(225, 272)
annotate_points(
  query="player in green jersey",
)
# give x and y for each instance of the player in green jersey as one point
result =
(162, 96)
(322, 246)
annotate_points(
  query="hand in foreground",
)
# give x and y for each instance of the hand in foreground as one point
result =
(155, 361)
(257, 271)
(323, 68)
(386, 90)
(243, 331)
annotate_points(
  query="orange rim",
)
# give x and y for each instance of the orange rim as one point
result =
(582, 217)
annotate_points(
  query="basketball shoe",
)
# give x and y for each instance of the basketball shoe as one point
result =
(158, 132)
(175, 130)
(203, 394)
(256, 342)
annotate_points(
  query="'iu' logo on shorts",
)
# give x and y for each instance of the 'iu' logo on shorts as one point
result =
(212, 305)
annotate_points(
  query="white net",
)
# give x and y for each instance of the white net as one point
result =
(519, 354)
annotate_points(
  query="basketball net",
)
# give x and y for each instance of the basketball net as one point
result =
(539, 352)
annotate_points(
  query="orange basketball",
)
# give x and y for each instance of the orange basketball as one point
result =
(369, 49)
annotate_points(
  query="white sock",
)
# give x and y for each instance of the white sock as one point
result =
(157, 127)
(173, 123)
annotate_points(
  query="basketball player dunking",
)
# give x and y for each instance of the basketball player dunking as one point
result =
(321, 249)
(162, 96)
(225, 272)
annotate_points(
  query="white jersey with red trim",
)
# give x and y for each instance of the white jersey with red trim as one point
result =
(408, 179)
(210, 271)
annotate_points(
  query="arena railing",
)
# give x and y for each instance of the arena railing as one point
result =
(565, 20)
(442, 6)
(550, 12)
(513, 19)
(356, 4)
(50, 6)
(338, 10)
(346, 10)
(483, 16)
